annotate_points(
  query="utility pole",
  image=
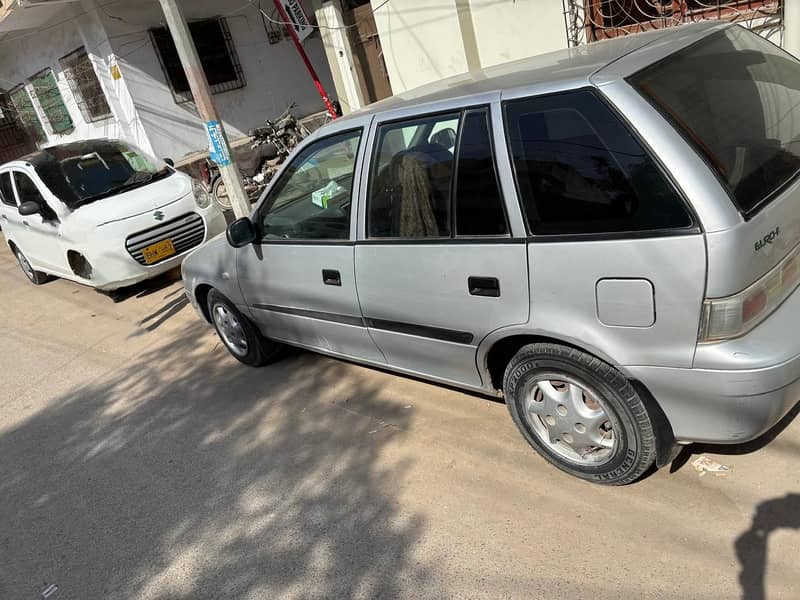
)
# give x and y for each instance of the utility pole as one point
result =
(220, 150)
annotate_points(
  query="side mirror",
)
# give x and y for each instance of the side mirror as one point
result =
(241, 232)
(29, 207)
(170, 162)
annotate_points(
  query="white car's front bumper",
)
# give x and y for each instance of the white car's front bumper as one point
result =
(119, 267)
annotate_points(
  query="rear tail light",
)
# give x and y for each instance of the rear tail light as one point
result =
(725, 318)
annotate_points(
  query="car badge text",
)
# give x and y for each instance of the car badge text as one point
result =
(768, 239)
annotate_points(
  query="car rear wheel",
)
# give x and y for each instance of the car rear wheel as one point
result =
(220, 195)
(241, 338)
(579, 413)
(34, 276)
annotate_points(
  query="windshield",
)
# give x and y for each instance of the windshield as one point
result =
(82, 173)
(736, 98)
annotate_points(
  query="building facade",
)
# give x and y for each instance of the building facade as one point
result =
(421, 41)
(81, 69)
(77, 69)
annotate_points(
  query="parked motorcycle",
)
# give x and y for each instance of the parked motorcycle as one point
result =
(270, 147)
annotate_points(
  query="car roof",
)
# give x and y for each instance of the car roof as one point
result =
(64, 151)
(577, 65)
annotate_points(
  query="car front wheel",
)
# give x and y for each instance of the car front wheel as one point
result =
(34, 276)
(238, 334)
(579, 413)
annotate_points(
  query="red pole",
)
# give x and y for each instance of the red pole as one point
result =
(305, 58)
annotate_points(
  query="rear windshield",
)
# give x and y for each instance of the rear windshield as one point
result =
(736, 97)
(85, 172)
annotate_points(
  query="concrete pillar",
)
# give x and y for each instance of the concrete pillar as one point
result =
(101, 53)
(791, 23)
(346, 81)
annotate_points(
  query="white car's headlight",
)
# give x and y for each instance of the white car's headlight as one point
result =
(201, 196)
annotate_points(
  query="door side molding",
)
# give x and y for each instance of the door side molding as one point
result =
(438, 333)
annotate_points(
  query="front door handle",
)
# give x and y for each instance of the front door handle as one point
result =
(331, 277)
(26, 224)
(484, 286)
(5, 218)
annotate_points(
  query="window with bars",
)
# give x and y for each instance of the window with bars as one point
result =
(5, 106)
(80, 74)
(45, 89)
(214, 44)
(611, 18)
(26, 113)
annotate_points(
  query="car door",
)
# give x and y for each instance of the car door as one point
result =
(39, 235)
(298, 279)
(438, 266)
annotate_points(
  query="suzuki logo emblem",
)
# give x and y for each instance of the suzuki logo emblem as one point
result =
(158, 215)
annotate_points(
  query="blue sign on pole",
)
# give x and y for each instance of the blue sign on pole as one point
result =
(217, 149)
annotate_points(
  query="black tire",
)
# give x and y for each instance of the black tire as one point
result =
(35, 277)
(220, 195)
(634, 448)
(259, 351)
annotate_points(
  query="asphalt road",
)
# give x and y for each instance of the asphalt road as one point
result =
(137, 460)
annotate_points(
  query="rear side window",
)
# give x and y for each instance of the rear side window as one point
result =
(411, 178)
(6, 192)
(736, 98)
(478, 203)
(580, 171)
(435, 177)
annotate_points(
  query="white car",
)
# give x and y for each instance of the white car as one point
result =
(102, 213)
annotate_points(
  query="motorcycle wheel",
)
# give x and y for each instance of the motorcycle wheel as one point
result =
(220, 194)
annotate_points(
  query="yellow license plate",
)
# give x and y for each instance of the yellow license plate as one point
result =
(158, 251)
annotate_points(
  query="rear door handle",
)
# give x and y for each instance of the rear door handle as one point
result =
(484, 286)
(331, 277)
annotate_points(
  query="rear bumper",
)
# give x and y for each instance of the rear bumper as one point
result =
(722, 406)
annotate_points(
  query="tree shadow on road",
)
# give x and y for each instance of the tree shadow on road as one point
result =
(186, 475)
(751, 546)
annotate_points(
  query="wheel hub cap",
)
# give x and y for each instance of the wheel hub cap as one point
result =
(570, 419)
(230, 330)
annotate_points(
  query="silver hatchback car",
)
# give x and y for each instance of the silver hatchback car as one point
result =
(608, 237)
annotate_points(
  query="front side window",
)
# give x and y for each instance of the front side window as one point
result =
(580, 171)
(6, 191)
(736, 98)
(312, 199)
(27, 191)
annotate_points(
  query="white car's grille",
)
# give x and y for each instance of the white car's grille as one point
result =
(185, 232)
